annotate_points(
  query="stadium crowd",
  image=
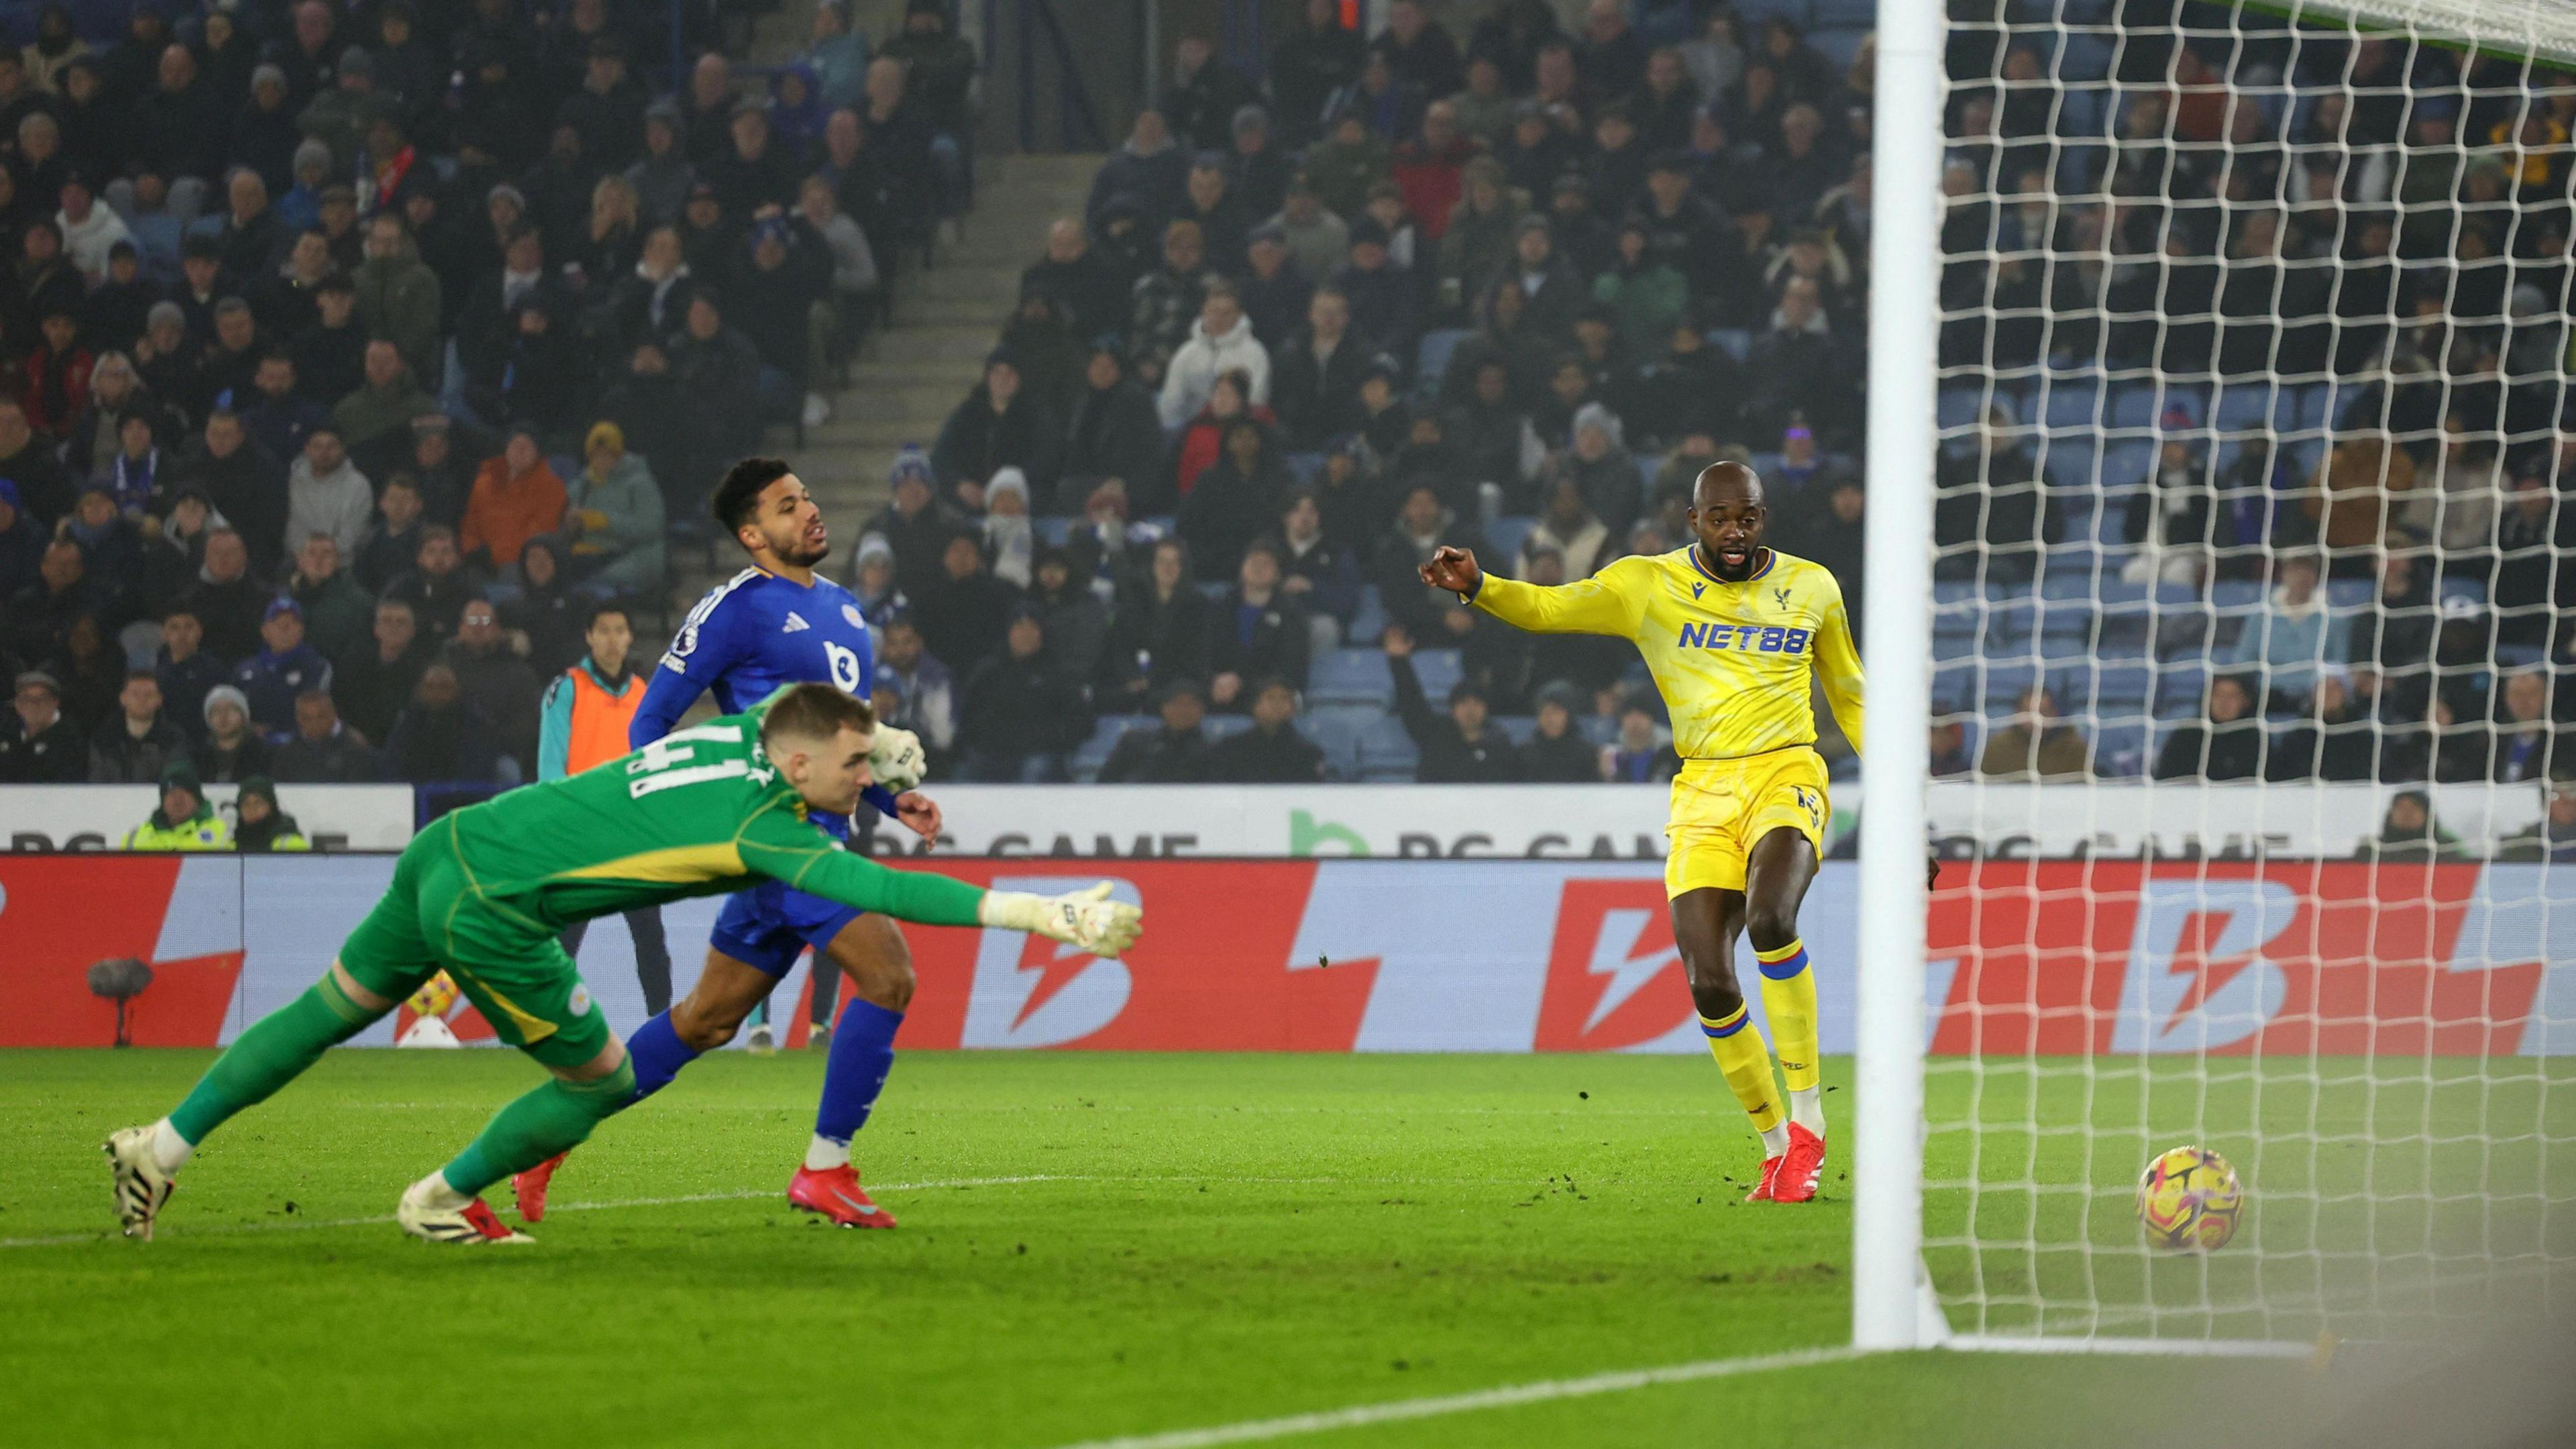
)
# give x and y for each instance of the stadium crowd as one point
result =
(329, 327)
(2255, 360)
(1512, 288)
(353, 352)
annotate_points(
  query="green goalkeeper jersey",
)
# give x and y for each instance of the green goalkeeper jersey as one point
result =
(699, 812)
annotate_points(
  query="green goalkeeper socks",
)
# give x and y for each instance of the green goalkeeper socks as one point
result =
(277, 1049)
(556, 1117)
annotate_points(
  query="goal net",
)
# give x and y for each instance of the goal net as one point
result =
(2250, 552)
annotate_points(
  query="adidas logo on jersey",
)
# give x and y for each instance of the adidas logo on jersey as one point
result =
(795, 623)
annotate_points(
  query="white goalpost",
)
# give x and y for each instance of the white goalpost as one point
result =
(2222, 488)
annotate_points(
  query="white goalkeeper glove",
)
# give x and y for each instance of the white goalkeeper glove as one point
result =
(1088, 919)
(896, 759)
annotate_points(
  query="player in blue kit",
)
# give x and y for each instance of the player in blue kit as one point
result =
(778, 623)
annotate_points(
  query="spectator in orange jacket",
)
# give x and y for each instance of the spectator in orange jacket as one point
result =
(516, 497)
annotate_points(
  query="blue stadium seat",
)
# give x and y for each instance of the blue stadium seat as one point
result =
(2120, 750)
(2069, 583)
(2072, 400)
(2317, 403)
(1386, 751)
(1506, 535)
(2126, 464)
(1735, 342)
(2244, 408)
(2083, 57)
(1336, 730)
(2012, 630)
(1848, 14)
(2121, 689)
(1349, 676)
(1054, 531)
(1518, 728)
(1439, 670)
(2082, 112)
(1957, 406)
(1221, 725)
(2133, 405)
(2180, 687)
(2006, 681)
(2235, 595)
(1648, 465)
(1368, 620)
(1431, 359)
(2456, 586)
(2519, 656)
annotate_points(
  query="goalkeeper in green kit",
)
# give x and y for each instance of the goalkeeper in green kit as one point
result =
(484, 892)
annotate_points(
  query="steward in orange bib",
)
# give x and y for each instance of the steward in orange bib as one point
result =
(583, 724)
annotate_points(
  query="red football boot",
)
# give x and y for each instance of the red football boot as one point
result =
(836, 1194)
(1800, 1167)
(1770, 1180)
(530, 1187)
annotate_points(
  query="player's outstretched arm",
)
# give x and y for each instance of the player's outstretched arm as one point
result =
(1606, 603)
(779, 845)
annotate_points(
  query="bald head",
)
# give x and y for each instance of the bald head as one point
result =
(1726, 517)
(1726, 482)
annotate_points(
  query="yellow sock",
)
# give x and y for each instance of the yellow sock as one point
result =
(1737, 1044)
(1789, 1000)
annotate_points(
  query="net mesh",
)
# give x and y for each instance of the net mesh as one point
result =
(2255, 638)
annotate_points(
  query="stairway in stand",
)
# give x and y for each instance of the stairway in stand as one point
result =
(946, 319)
(909, 374)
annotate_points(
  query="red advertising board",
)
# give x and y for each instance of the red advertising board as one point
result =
(2060, 957)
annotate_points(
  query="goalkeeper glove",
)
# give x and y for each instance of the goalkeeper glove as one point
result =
(1088, 919)
(896, 759)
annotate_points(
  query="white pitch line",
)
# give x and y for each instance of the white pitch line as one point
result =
(563, 1207)
(1254, 1430)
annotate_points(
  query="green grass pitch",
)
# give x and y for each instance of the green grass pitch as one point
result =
(1093, 1245)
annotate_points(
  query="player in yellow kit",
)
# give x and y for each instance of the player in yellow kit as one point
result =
(1734, 634)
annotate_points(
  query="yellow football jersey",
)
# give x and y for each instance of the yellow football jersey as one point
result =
(1734, 661)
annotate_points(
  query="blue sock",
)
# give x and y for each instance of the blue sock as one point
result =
(658, 1054)
(862, 1054)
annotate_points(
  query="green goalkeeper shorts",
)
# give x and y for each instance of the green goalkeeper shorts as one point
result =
(511, 967)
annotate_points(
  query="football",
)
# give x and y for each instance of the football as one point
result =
(2189, 1199)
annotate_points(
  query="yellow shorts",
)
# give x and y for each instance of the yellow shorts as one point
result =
(1721, 808)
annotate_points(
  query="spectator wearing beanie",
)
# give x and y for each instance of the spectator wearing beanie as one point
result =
(613, 515)
(232, 750)
(261, 827)
(183, 820)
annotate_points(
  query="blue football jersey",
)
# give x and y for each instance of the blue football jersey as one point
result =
(750, 635)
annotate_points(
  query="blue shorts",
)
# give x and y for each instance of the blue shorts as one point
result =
(768, 925)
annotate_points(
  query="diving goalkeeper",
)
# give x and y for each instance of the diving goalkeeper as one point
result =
(1734, 633)
(484, 892)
